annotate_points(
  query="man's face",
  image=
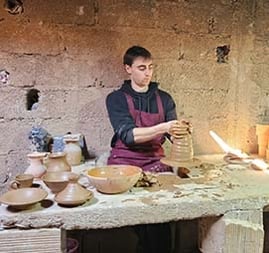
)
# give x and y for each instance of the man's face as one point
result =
(141, 71)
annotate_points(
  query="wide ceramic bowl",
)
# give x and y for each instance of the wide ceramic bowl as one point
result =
(114, 178)
(23, 198)
(56, 180)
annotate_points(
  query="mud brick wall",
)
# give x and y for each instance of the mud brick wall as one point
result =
(71, 51)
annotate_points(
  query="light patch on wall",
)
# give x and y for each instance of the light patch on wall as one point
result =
(80, 11)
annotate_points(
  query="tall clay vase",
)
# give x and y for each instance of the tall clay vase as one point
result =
(73, 151)
(262, 132)
(182, 148)
(57, 162)
(36, 167)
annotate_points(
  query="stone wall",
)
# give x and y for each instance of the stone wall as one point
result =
(71, 51)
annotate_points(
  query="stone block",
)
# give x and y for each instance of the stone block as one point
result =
(238, 231)
(31, 241)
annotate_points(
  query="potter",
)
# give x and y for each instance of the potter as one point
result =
(143, 116)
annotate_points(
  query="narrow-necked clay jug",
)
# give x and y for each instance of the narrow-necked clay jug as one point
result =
(73, 151)
(73, 194)
(57, 162)
(36, 167)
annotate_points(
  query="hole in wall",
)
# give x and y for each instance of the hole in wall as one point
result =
(222, 53)
(14, 7)
(32, 99)
(4, 76)
(211, 25)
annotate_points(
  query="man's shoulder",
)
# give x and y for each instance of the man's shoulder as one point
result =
(115, 93)
(164, 94)
(115, 97)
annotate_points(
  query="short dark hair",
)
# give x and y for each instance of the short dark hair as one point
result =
(133, 52)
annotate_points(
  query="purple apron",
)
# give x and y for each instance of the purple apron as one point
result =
(144, 155)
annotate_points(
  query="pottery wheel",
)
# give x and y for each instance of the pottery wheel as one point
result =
(185, 164)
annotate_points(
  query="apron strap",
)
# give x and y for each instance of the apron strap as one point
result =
(160, 106)
(132, 110)
(130, 103)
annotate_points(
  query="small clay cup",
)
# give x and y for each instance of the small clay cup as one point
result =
(22, 181)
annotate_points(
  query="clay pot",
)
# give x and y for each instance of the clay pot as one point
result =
(57, 180)
(22, 181)
(73, 194)
(182, 148)
(36, 167)
(57, 162)
(73, 151)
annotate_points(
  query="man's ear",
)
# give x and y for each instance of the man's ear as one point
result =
(128, 69)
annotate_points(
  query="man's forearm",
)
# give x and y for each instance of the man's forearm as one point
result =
(144, 134)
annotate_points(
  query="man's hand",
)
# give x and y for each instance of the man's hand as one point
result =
(179, 127)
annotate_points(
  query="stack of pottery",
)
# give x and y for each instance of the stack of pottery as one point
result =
(72, 149)
(262, 132)
(22, 194)
(36, 167)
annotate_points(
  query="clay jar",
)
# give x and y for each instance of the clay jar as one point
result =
(36, 167)
(57, 162)
(73, 151)
(73, 194)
